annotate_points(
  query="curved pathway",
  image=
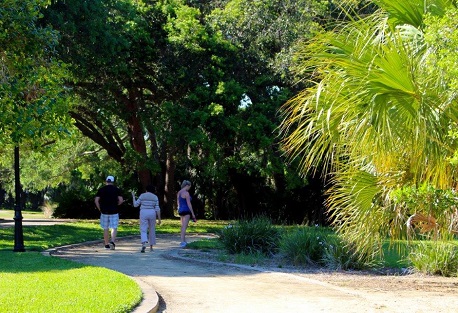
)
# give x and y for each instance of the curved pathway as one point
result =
(188, 285)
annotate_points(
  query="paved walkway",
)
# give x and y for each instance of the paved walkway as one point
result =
(175, 284)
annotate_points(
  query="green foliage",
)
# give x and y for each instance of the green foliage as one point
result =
(435, 203)
(305, 245)
(184, 28)
(179, 82)
(442, 39)
(425, 198)
(38, 173)
(251, 236)
(32, 97)
(435, 258)
(268, 31)
(376, 117)
(75, 199)
(320, 246)
(341, 256)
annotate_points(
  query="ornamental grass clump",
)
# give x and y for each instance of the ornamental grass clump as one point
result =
(305, 245)
(435, 258)
(251, 236)
(340, 256)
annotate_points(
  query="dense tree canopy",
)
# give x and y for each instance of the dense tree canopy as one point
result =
(174, 90)
(31, 79)
(33, 100)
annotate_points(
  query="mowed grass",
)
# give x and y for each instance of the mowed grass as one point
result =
(39, 238)
(32, 282)
(9, 214)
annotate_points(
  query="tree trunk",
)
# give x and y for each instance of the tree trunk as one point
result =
(169, 190)
(137, 139)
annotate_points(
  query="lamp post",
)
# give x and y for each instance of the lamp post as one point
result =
(18, 232)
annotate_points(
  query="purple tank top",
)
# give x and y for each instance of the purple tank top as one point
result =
(183, 205)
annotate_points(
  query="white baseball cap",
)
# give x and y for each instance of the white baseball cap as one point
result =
(110, 179)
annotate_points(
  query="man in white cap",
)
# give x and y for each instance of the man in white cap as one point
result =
(107, 200)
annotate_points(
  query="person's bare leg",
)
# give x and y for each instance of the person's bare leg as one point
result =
(184, 226)
(114, 232)
(106, 237)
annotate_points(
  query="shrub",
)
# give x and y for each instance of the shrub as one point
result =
(340, 256)
(435, 258)
(48, 209)
(251, 236)
(70, 206)
(305, 245)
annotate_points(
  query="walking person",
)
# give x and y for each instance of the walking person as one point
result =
(107, 200)
(185, 210)
(149, 212)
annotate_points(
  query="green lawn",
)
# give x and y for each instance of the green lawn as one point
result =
(31, 282)
(9, 214)
(395, 254)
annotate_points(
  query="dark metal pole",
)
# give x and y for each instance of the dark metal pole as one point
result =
(18, 232)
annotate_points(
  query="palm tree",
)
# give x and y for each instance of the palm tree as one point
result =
(377, 118)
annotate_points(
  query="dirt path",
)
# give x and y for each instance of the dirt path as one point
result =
(196, 284)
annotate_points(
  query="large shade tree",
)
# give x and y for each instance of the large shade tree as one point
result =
(182, 87)
(379, 116)
(33, 101)
(145, 73)
(31, 93)
(127, 58)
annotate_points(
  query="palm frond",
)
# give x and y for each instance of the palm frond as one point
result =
(412, 12)
(376, 117)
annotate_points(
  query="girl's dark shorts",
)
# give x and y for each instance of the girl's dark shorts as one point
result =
(184, 213)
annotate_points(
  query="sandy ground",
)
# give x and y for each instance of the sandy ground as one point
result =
(409, 292)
